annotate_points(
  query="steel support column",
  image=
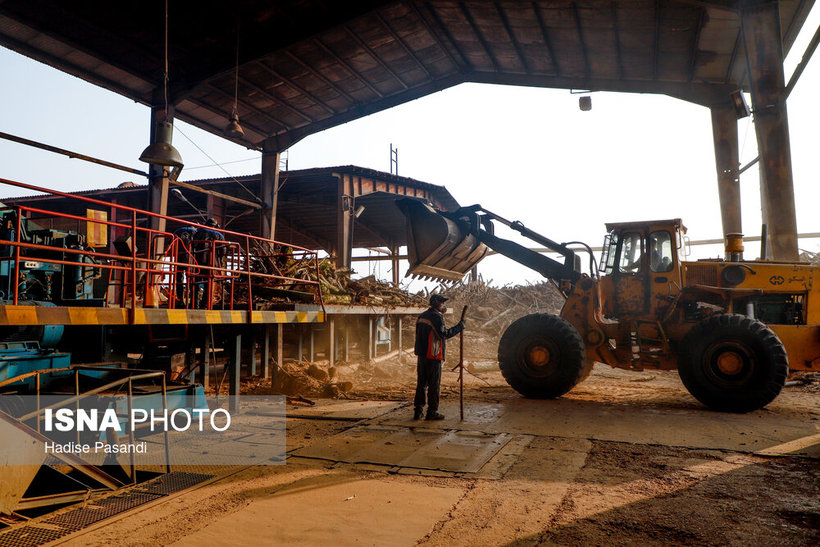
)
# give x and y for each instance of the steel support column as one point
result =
(394, 253)
(206, 358)
(280, 350)
(764, 55)
(724, 132)
(269, 189)
(235, 372)
(398, 332)
(253, 352)
(331, 342)
(158, 176)
(266, 352)
(299, 350)
(344, 222)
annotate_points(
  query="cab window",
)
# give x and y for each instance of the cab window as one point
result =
(608, 253)
(631, 253)
(660, 249)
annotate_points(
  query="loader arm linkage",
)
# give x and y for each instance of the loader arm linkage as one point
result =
(446, 245)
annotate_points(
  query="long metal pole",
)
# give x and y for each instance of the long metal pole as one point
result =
(131, 431)
(461, 366)
(165, 433)
(70, 154)
(16, 281)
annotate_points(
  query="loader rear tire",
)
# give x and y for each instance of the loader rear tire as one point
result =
(541, 356)
(732, 363)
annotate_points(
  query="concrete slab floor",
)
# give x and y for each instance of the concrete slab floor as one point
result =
(353, 512)
(457, 451)
(763, 432)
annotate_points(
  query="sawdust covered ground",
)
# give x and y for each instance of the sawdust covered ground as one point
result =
(544, 491)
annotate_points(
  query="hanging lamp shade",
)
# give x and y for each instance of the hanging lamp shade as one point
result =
(161, 152)
(233, 130)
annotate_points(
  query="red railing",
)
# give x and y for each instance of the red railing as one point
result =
(189, 266)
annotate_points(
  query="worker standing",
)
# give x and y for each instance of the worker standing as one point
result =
(431, 337)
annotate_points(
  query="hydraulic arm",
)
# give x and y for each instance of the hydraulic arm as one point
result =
(444, 245)
(544, 265)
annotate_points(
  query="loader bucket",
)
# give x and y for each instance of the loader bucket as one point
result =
(438, 247)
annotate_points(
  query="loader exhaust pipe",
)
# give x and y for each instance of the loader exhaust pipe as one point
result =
(734, 247)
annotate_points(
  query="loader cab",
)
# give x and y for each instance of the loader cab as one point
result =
(640, 267)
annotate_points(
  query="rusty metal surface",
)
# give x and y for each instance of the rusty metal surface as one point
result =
(18, 447)
(306, 65)
(49, 529)
(761, 36)
(724, 131)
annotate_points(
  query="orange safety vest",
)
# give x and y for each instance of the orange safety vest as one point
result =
(435, 349)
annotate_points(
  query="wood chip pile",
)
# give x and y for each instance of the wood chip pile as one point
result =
(492, 309)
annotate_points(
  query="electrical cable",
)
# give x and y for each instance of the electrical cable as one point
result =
(223, 163)
(217, 164)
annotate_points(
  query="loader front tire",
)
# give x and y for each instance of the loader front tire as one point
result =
(732, 363)
(541, 356)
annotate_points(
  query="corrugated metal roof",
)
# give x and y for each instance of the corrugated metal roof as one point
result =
(306, 65)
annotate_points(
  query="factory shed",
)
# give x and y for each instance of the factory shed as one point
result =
(332, 209)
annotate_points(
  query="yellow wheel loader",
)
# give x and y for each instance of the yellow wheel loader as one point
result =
(732, 328)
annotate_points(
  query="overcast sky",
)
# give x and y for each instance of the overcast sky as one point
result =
(526, 153)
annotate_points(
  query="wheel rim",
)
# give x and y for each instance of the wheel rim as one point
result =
(729, 364)
(539, 357)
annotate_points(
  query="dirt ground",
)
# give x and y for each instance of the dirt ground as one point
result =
(624, 458)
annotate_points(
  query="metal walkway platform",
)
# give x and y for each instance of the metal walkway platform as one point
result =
(55, 315)
(72, 520)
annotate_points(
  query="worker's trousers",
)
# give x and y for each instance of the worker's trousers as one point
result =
(429, 379)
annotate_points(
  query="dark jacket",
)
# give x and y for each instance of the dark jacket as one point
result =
(423, 331)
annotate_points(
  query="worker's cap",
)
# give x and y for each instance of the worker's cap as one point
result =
(437, 299)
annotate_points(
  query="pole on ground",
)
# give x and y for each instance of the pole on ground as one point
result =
(461, 366)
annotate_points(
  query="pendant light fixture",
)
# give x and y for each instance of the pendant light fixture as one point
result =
(233, 130)
(161, 151)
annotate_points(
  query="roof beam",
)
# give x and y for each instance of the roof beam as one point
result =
(250, 107)
(289, 138)
(276, 74)
(477, 31)
(374, 56)
(547, 40)
(401, 42)
(321, 76)
(279, 30)
(577, 16)
(244, 81)
(374, 233)
(699, 93)
(656, 43)
(615, 26)
(312, 236)
(71, 68)
(465, 64)
(73, 31)
(358, 75)
(516, 44)
(733, 57)
(214, 129)
(693, 50)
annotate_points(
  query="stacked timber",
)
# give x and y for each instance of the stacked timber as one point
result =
(337, 285)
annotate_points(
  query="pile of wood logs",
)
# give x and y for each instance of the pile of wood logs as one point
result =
(337, 285)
